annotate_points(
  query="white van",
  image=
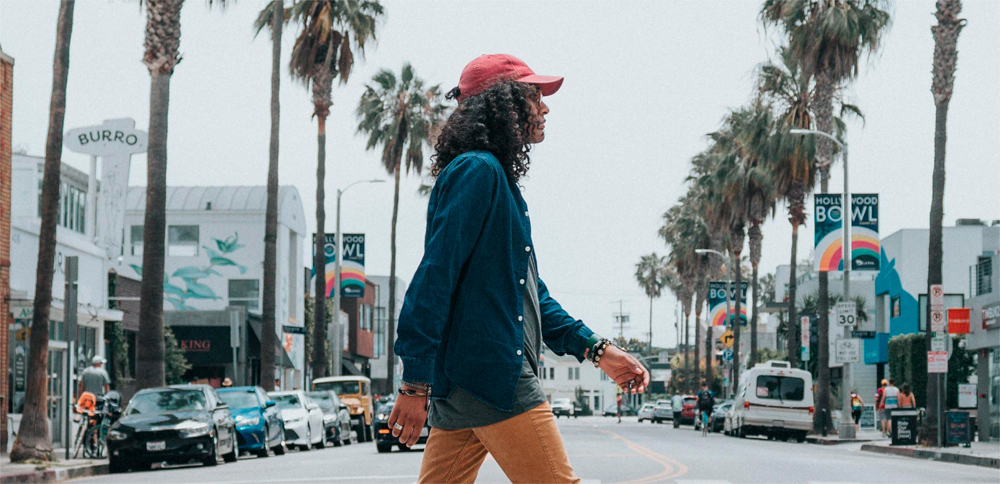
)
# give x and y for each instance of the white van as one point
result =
(774, 400)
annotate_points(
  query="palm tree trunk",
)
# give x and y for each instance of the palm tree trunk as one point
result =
(709, 342)
(737, 249)
(755, 248)
(269, 338)
(823, 105)
(946, 34)
(650, 325)
(33, 440)
(687, 346)
(793, 320)
(390, 353)
(696, 379)
(319, 366)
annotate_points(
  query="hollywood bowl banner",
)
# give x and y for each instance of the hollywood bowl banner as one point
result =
(865, 247)
(828, 222)
(352, 269)
(717, 302)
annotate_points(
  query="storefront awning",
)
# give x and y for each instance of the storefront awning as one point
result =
(280, 354)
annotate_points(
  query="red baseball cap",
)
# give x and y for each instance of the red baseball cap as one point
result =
(487, 70)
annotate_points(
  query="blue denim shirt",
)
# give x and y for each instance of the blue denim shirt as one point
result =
(460, 324)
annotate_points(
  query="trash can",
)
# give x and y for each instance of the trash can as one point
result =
(904, 427)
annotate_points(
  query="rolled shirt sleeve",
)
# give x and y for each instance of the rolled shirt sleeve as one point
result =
(563, 334)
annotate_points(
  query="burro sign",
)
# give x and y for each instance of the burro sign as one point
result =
(114, 142)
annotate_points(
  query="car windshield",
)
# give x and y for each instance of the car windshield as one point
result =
(690, 401)
(166, 401)
(287, 402)
(238, 399)
(561, 401)
(322, 399)
(780, 388)
(338, 387)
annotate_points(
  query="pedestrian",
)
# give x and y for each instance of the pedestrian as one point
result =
(857, 407)
(706, 401)
(476, 312)
(226, 382)
(906, 398)
(879, 406)
(94, 379)
(677, 406)
(890, 401)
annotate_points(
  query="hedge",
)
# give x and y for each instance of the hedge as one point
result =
(908, 364)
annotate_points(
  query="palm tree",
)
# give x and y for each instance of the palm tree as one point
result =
(274, 14)
(649, 274)
(828, 37)
(401, 115)
(162, 53)
(33, 440)
(945, 60)
(331, 32)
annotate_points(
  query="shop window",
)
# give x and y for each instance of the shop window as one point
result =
(244, 293)
(984, 276)
(135, 238)
(552, 373)
(182, 240)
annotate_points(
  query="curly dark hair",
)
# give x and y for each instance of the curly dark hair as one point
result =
(497, 120)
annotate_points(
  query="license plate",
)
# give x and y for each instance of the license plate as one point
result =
(154, 446)
(424, 432)
(779, 423)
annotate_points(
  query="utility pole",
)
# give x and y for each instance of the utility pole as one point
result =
(621, 319)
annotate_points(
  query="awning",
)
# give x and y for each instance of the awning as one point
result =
(281, 356)
(350, 369)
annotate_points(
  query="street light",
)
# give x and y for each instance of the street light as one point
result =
(846, 430)
(729, 310)
(338, 257)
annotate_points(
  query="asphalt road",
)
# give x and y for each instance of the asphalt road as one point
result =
(601, 451)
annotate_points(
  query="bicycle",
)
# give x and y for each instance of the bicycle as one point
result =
(100, 416)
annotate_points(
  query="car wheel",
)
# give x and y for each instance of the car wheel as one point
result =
(213, 456)
(309, 438)
(265, 451)
(233, 454)
(742, 432)
(338, 439)
(322, 440)
(369, 434)
(116, 466)
(403, 448)
(383, 448)
(801, 437)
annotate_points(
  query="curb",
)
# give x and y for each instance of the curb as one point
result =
(834, 441)
(56, 474)
(973, 460)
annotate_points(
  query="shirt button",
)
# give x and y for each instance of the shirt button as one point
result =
(525, 214)
(520, 318)
(527, 249)
(522, 281)
(518, 352)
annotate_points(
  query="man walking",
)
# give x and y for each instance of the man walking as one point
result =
(706, 401)
(94, 379)
(476, 312)
(677, 406)
(890, 401)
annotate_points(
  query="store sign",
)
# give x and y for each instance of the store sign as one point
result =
(991, 317)
(204, 345)
(865, 246)
(828, 220)
(959, 320)
(352, 269)
(717, 302)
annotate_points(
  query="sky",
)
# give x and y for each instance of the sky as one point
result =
(644, 84)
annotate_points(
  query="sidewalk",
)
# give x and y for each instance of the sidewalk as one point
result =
(864, 435)
(985, 454)
(59, 470)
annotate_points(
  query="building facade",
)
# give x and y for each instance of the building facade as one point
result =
(383, 351)
(564, 377)
(6, 108)
(214, 260)
(984, 303)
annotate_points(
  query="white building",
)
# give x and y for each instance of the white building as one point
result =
(215, 257)
(562, 375)
(74, 237)
(380, 362)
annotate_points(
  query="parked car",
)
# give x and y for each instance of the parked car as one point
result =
(663, 410)
(563, 407)
(717, 421)
(688, 412)
(303, 419)
(356, 393)
(715, 408)
(774, 400)
(611, 410)
(259, 427)
(646, 412)
(336, 417)
(177, 424)
(383, 434)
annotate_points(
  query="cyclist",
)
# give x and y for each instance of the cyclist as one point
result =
(706, 400)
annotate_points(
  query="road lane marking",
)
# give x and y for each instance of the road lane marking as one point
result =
(671, 468)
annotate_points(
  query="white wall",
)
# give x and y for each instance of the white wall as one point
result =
(592, 380)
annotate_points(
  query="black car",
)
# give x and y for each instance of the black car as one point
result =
(383, 435)
(336, 417)
(177, 425)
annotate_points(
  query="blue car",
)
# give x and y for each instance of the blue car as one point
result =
(259, 428)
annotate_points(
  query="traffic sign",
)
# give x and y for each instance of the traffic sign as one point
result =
(847, 313)
(805, 354)
(937, 362)
(727, 338)
(937, 296)
(848, 350)
(939, 342)
(727, 355)
(293, 329)
(938, 323)
(863, 334)
(804, 332)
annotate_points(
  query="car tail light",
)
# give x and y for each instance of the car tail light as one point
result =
(812, 410)
(746, 405)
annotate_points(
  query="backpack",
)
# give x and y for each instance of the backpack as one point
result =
(704, 399)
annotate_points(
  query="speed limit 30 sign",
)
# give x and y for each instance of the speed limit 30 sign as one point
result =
(847, 313)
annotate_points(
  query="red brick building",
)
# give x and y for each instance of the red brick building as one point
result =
(360, 332)
(6, 106)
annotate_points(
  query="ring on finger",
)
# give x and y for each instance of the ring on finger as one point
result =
(397, 427)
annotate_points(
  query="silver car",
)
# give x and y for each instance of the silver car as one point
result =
(663, 411)
(646, 412)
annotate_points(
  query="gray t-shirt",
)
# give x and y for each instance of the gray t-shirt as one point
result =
(462, 411)
(94, 379)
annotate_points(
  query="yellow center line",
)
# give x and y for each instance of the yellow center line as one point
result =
(671, 468)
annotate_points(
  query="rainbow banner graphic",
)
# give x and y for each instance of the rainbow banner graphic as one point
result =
(717, 302)
(828, 222)
(865, 247)
(352, 269)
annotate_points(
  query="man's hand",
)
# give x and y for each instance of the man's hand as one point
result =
(408, 417)
(623, 368)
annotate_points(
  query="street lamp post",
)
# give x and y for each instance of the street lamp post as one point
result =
(729, 309)
(846, 430)
(338, 346)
